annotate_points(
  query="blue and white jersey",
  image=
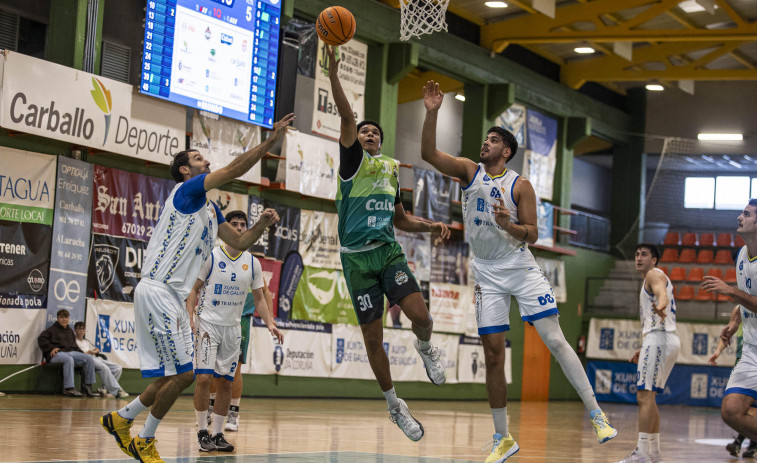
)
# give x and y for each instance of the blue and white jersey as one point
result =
(487, 239)
(746, 276)
(227, 282)
(183, 238)
(650, 321)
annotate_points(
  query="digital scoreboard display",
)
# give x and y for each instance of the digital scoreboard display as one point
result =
(216, 55)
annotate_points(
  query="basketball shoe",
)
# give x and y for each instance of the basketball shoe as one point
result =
(750, 451)
(431, 359)
(144, 450)
(503, 448)
(221, 444)
(232, 421)
(603, 428)
(205, 442)
(118, 427)
(401, 416)
(636, 457)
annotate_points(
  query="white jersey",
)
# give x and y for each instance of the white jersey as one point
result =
(650, 321)
(227, 281)
(746, 270)
(181, 242)
(487, 239)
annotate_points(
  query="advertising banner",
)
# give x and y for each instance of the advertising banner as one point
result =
(449, 262)
(221, 140)
(417, 249)
(471, 364)
(453, 307)
(24, 258)
(541, 156)
(27, 186)
(128, 204)
(284, 236)
(311, 165)
(62, 103)
(554, 270)
(18, 341)
(255, 210)
(272, 276)
(228, 201)
(115, 267)
(306, 350)
(619, 339)
(348, 348)
(545, 220)
(319, 239)
(291, 273)
(405, 363)
(514, 120)
(695, 385)
(110, 327)
(322, 296)
(432, 195)
(352, 73)
(71, 239)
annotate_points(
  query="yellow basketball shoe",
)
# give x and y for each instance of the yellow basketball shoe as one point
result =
(503, 448)
(602, 427)
(118, 427)
(144, 450)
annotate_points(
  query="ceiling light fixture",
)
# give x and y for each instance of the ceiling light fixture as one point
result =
(496, 4)
(720, 137)
(459, 96)
(655, 87)
(583, 50)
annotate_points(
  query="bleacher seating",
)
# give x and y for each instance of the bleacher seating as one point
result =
(730, 276)
(664, 270)
(715, 272)
(695, 275)
(689, 239)
(685, 293)
(707, 239)
(705, 256)
(722, 298)
(738, 241)
(671, 239)
(703, 295)
(723, 256)
(687, 256)
(669, 255)
(677, 274)
(724, 240)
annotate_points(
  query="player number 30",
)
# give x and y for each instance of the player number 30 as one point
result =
(365, 302)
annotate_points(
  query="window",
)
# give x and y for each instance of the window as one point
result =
(720, 193)
(699, 193)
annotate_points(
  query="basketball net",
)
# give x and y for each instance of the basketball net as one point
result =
(418, 17)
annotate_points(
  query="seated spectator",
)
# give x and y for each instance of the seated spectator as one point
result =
(58, 344)
(109, 372)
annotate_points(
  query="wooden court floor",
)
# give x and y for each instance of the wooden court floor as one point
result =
(53, 428)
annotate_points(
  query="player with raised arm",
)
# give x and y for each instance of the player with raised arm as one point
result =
(180, 244)
(369, 207)
(499, 212)
(223, 284)
(741, 391)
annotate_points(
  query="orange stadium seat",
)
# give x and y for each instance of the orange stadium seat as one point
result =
(705, 256)
(724, 240)
(723, 256)
(669, 255)
(738, 241)
(703, 295)
(695, 275)
(730, 275)
(715, 272)
(671, 239)
(687, 256)
(677, 274)
(722, 298)
(689, 239)
(706, 239)
(664, 270)
(685, 293)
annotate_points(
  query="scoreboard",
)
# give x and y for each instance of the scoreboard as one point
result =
(216, 55)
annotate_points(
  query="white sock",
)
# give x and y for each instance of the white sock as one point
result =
(151, 425)
(643, 445)
(134, 408)
(424, 345)
(500, 420)
(391, 399)
(218, 422)
(202, 419)
(235, 402)
(654, 444)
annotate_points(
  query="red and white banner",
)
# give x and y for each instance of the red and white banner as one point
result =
(453, 308)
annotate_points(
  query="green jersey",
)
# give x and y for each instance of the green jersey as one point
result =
(365, 201)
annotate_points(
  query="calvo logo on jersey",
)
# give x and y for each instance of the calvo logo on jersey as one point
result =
(375, 205)
(106, 258)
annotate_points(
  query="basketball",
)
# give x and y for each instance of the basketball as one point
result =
(335, 25)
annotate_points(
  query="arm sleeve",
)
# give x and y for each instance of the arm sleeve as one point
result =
(206, 268)
(350, 159)
(190, 196)
(257, 274)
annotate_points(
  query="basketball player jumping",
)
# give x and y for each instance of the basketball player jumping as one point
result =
(182, 240)
(369, 207)
(499, 211)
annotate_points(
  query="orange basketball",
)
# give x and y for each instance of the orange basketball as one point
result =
(335, 25)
